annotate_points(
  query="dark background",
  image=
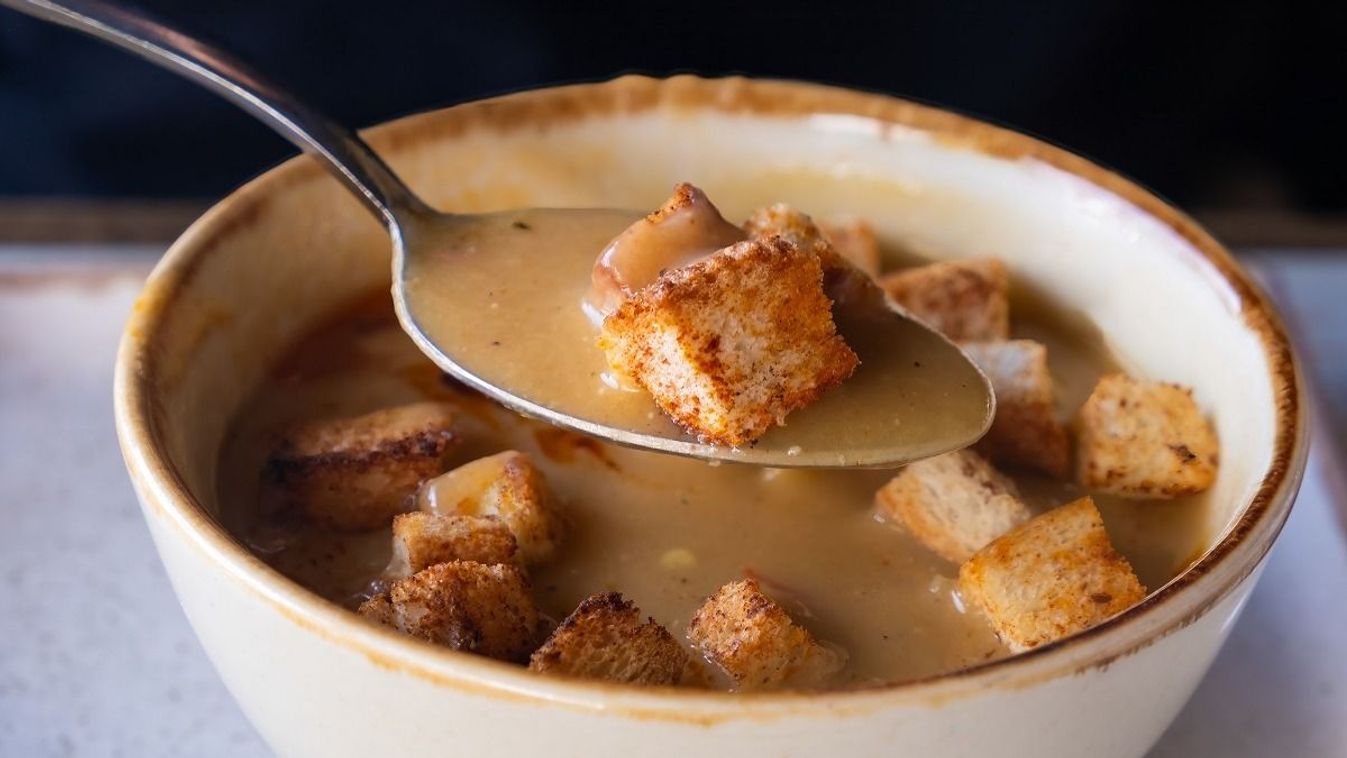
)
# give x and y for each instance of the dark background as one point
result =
(1228, 105)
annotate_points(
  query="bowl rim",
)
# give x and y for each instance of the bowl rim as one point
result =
(1201, 586)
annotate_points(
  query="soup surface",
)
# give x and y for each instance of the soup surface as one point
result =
(513, 316)
(668, 531)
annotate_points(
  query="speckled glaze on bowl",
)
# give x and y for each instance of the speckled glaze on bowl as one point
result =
(272, 258)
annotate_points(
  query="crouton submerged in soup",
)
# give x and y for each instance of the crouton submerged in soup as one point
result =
(364, 474)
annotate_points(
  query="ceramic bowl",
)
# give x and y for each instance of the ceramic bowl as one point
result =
(276, 256)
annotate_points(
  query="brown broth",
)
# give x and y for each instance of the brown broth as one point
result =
(667, 531)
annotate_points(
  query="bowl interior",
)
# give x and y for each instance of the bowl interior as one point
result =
(286, 250)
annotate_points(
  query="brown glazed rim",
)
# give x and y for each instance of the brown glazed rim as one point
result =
(168, 499)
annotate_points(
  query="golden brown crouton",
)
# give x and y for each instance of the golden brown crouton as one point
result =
(781, 220)
(605, 638)
(964, 300)
(953, 504)
(757, 644)
(855, 240)
(1138, 438)
(357, 473)
(729, 345)
(1054, 576)
(845, 282)
(421, 540)
(1026, 431)
(506, 486)
(463, 605)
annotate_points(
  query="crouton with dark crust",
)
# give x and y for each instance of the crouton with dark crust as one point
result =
(1144, 439)
(606, 638)
(954, 504)
(421, 540)
(754, 640)
(964, 300)
(1026, 431)
(731, 344)
(506, 486)
(464, 605)
(355, 474)
(1052, 577)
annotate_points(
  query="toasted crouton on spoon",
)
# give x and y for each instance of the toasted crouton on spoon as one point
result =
(494, 300)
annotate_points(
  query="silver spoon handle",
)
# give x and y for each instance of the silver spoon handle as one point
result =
(340, 149)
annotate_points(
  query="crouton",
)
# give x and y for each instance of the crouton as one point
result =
(954, 504)
(1026, 431)
(756, 643)
(355, 474)
(845, 282)
(964, 300)
(463, 605)
(781, 220)
(605, 638)
(731, 344)
(1139, 438)
(853, 239)
(507, 486)
(421, 540)
(688, 226)
(1052, 577)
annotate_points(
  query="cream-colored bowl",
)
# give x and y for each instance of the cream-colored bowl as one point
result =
(282, 252)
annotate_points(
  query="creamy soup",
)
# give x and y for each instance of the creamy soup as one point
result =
(504, 299)
(668, 531)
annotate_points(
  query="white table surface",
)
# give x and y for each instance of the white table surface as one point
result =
(96, 659)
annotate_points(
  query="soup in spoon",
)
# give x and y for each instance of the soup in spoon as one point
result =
(519, 300)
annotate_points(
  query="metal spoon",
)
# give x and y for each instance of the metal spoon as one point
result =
(915, 395)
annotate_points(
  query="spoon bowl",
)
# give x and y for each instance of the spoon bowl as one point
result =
(495, 299)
